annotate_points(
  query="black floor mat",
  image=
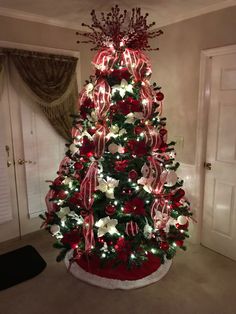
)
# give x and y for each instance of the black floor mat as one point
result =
(20, 265)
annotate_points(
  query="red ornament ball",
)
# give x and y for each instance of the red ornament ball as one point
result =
(159, 96)
(179, 243)
(131, 228)
(110, 210)
(133, 175)
(164, 246)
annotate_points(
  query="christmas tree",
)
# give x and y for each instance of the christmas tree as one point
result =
(117, 201)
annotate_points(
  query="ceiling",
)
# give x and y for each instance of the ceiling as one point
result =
(70, 13)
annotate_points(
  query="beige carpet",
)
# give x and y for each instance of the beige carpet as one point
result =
(199, 282)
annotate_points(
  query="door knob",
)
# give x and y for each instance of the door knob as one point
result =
(22, 161)
(207, 165)
(8, 163)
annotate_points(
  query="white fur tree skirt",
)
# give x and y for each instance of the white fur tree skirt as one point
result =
(108, 283)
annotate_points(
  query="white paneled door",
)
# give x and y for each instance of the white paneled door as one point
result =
(9, 221)
(38, 155)
(219, 213)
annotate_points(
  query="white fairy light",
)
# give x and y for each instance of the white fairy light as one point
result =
(115, 202)
(103, 255)
(132, 256)
(153, 250)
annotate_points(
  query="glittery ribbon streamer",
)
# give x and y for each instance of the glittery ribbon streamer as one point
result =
(156, 184)
(152, 138)
(105, 59)
(87, 188)
(88, 232)
(102, 96)
(137, 63)
(99, 139)
(146, 98)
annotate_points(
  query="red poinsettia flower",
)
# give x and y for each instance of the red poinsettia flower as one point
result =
(75, 199)
(135, 206)
(120, 74)
(123, 249)
(87, 148)
(72, 238)
(121, 165)
(138, 148)
(129, 105)
(86, 106)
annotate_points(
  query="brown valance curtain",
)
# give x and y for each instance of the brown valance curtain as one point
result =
(52, 82)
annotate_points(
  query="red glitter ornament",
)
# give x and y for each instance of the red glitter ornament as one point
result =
(132, 175)
(159, 96)
(110, 210)
(164, 246)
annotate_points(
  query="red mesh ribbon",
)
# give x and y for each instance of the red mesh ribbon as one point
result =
(63, 168)
(137, 63)
(50, 205)
(87, 188)
(156, 171)
(146, 98)
(159, 204)
(88, 232)
(102, 97)
(152, 137)
(99, 140)
(82, 96)
(105, 59)
(76, 131)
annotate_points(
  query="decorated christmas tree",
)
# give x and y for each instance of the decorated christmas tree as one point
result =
(117, 204)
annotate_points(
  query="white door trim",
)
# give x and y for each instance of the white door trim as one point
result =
(202, 121)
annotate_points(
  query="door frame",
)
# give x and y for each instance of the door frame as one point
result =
(29, 223)
(202, 125)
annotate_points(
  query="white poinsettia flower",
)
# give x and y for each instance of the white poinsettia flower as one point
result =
(93, 117)
(63, 212)
(89, 89)
(122, 88)
(163, 221)
(89, 136)
(107, 186)
(106, 225)
(115, 132)
(146, 182)
(79, 219)
(132, 117)
(147, 230)
(74, 149)
(68, 181)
